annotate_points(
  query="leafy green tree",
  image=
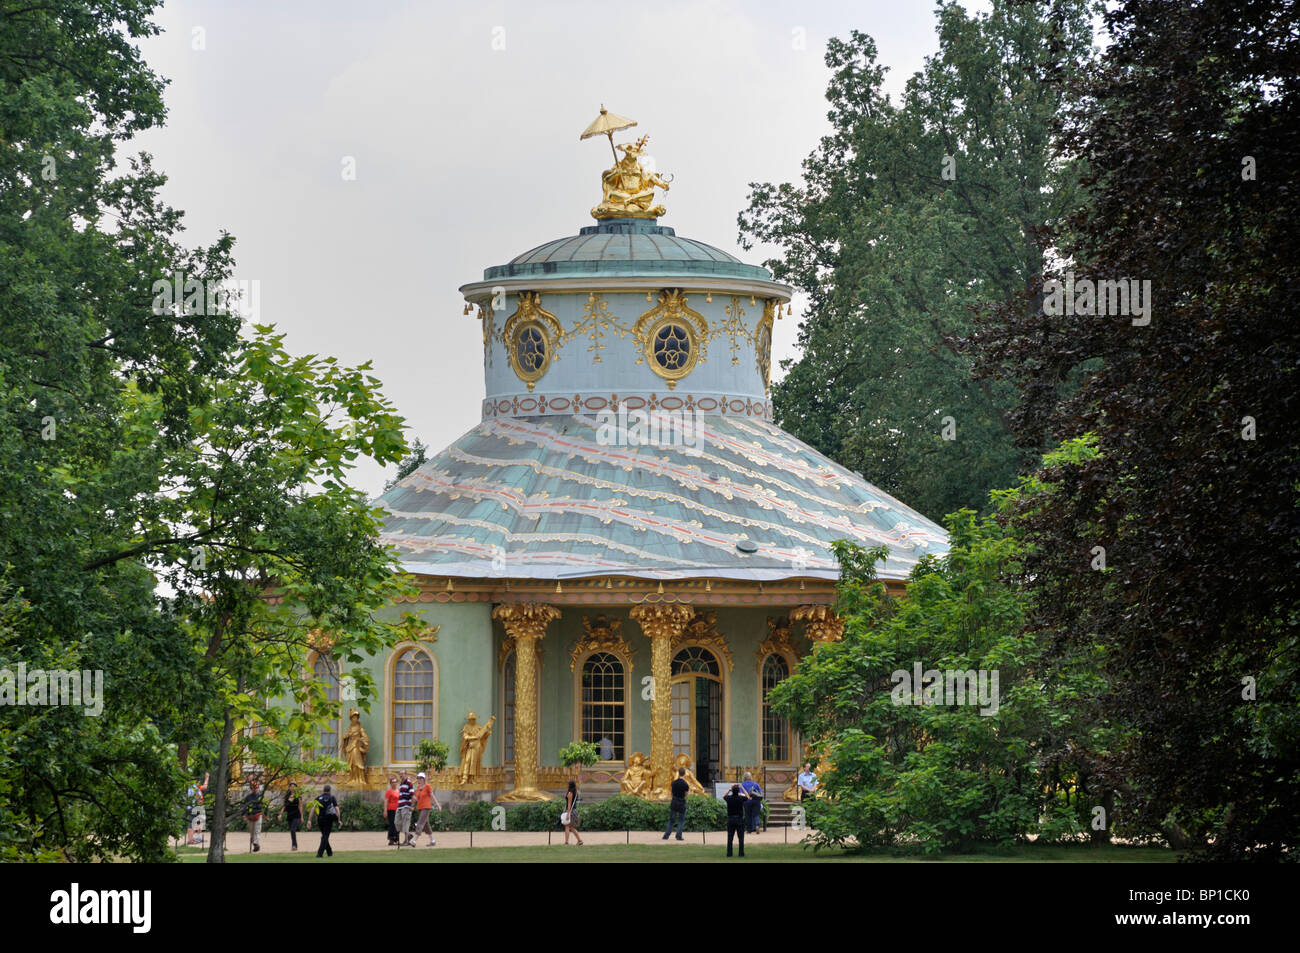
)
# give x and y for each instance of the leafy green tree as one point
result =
(80, 246)
(912, 217)
(143, 444)
(1173, 555)
(271, 553)
(945, 763)
(410, 463)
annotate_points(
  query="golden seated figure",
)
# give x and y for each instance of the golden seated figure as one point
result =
(637, 779)
(692, 782)
(629, 190)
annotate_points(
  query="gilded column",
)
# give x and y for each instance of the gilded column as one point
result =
(525, 623)
(661, 624)
(821, 624)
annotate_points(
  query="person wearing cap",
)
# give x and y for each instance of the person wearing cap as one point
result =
(425, 800)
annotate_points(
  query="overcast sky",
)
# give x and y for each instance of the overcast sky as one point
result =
(462, 120)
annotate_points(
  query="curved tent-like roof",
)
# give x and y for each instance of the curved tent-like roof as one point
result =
(546, 497)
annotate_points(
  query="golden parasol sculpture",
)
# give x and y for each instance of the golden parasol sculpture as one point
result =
(607, 123)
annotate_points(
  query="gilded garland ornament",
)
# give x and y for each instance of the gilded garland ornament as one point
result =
(763, 343)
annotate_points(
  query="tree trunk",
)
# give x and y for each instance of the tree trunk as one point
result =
(217, 832)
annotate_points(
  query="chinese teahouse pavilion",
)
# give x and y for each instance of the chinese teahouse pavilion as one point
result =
(626, 550)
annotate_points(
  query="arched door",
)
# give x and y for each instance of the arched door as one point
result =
(697, 711)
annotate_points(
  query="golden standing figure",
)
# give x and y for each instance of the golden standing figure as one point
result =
(356, 744)
(473, 739)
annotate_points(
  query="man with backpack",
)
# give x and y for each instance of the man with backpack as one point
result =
(330, 815)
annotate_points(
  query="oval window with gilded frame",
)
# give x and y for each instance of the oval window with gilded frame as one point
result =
(671, 348)
(530, 351)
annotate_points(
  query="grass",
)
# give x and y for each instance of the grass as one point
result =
(696, 854)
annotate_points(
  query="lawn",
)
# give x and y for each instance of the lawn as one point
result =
(696, 854)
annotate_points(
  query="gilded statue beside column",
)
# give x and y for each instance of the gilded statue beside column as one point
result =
(473, 740)
(692, 782)
(356, 745)
(637, 779)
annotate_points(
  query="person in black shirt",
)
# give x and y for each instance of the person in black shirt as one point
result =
(330, 815)
(736, 817)
(677, 808)
(293, 807)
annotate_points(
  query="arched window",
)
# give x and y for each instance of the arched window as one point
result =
(508, 711)
(326, 670)
(776, 730)
(412, 705)
(604, 705)
(696, 659)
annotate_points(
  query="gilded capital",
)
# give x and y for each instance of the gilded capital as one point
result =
(525, 620)
(821, 624)
(660, 621)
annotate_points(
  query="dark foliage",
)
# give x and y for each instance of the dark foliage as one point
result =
(1200, 523)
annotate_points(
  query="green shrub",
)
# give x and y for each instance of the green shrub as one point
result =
(703, 813)
(474, 816)
(535, 816)
(361, 815)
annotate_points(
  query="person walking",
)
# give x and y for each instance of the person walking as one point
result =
(570, 816)
(425, 800)
(754, 806)
(405, 798)
(390, 808)
(736, 802)
(330, 816)
(293, 807)
(677, 807)
(253, 806)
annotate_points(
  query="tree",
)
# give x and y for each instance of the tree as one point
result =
(410, 463)
(1172, 554)
(80, 247)
(940, 720)
(911, 217)
(271, 553)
